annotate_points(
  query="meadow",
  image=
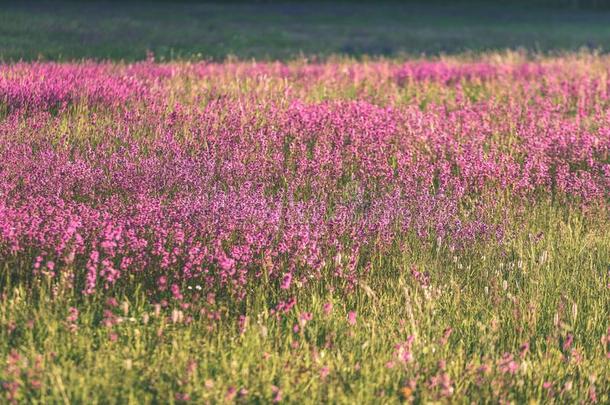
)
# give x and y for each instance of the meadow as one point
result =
(428, 231)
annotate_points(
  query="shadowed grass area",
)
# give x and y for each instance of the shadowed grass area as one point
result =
(62, 30)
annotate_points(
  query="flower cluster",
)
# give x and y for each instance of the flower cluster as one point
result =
(223, 175)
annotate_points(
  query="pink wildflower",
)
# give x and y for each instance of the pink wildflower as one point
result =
(351, 318)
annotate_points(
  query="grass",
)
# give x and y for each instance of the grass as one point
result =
(496, 298)
(61, 30)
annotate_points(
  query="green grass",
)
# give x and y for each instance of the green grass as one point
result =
(534, 290)
(61, 30)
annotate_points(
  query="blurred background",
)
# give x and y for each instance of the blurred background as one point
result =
(126, 30)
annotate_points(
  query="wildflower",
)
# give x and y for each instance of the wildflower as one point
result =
(592, 394)
(286, 281)
(351, 318)
(443, 381)
(567, 343)
(327, 308)
(73, 315)
(176, 292)
(277, 394)
(446, 333)
(162, 283)
(524, 349)
(577, 356)
(231, 393)
(402, 351)
(507, 365)
(242, 324)
(305, 317)
(226, 263)
(548, 386)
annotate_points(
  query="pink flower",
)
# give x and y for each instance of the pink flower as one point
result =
(305, 317)
(242, 323)
(524, 349)
(231, 393)
(568, 341)
(402, 351)
(507, 365)
(162, 283)
(176, 292)
(277, 394)
(286, 281)
(73, 315)
(226, 263)
(351, 318)
(327, 308)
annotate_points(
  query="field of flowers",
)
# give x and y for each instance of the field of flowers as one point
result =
(350, 232)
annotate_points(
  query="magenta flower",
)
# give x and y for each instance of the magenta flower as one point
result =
(277, 394)
(327, 308)
(351, 318)
(324, 372)
(286, 281)
(73, 315)
(221, 195)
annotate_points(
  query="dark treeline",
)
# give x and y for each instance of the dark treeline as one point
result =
(561, 4)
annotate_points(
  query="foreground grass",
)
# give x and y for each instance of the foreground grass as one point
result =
(63, 30)
(523, 321)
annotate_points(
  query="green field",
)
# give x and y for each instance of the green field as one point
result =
(116, 30)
